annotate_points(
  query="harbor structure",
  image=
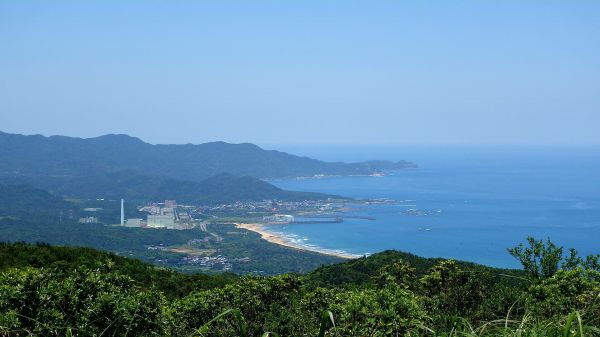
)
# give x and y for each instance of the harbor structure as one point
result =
(279, 218)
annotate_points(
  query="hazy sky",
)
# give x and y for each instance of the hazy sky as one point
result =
(367, 72)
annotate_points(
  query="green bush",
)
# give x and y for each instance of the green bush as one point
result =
(451, 299)
(89, 302)
(565, 291)
(389, 311)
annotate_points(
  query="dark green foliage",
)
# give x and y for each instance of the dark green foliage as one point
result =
(361, 271)
(258, 299)
(68, 259)
(24, 202)
(133, 186)
(539, 259)
(126, 241)
(400, 273)
(283, 305)
(543, 259)
(101, 297)
(28, 204)
(327, 322)
(90, 302)
(477, 293)
(389, 311)
(567, 290)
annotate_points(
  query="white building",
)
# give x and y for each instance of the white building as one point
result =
(89, 219)
(133, 223)
(161, 221)
(279, 218)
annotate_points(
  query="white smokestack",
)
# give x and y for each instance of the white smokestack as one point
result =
(122, 212)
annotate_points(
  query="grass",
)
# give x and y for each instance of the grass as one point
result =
(570, 326)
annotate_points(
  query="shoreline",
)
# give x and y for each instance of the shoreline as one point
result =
(282, 241)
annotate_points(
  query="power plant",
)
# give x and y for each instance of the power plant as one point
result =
(122, 212)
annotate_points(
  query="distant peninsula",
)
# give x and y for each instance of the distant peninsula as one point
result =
(115, 166)
(76, 156)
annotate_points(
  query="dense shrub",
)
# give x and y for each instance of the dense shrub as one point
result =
(567, 290)
(89, 302)
(451, 299)
(389, 311)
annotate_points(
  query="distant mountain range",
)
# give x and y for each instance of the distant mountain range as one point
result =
(59, 155)
(124, 166)
(222, 188)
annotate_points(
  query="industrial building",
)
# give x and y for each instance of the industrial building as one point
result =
(89, 219)
(161, 221)
(133, 223)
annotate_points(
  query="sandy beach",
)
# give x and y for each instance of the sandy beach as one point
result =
(273, 238)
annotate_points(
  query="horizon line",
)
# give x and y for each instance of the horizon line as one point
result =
(264, 144)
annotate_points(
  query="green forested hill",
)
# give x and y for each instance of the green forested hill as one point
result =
(119, 166)
(68, 259)
(59, 291)
(361, 271)
(223, 188)
(25, 202)
(66, 156)
(245, 251)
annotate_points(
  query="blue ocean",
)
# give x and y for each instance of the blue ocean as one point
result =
(467, 203)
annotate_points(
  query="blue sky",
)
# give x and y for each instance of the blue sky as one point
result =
(304, 72)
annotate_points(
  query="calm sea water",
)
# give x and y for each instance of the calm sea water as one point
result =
(468, 203)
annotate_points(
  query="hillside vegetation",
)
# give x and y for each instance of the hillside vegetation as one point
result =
(50, 291)
(119, 166)
(135, 187)
(59, 155)
(25, 202)
(258, 256)
(32, 215)
(67, 260)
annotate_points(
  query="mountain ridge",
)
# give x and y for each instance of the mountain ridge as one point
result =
(62, 155)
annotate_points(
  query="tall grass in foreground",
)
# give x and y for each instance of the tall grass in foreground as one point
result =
(570, 326)
(326, 322)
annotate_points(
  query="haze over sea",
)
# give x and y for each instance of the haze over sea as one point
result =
(473, 201)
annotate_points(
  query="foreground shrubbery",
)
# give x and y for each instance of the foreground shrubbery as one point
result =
(450, 299)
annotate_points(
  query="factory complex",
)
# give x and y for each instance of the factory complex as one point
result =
(161, 215)
(170, 215)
